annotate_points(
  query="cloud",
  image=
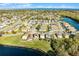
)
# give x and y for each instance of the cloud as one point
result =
(61, 6)
(24, 5)
(14, 5)
(30, 5)
(21, 5)
(64, 6)
(4, 4)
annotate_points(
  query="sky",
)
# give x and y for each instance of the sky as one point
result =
(38, 5)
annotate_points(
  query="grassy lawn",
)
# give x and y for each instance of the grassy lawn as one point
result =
(17, 41)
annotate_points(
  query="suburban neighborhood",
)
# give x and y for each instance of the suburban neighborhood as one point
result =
(39, 29)
(35, 24)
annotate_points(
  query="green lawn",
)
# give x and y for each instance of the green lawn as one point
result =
(17, 41)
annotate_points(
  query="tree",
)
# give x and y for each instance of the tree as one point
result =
(38, 27)
(71, 46)
(65, 46)
(58, 47)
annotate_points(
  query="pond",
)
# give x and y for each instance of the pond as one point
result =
(19, 51)
(71, 22)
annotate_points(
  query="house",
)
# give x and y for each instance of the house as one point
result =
(43, 28)
(27, 36)
(24, 29)
(24, 37)
(1, 26)
(66, 35)
(49, 35)
(71, 29)
(54, 36)
(59, 35)
(36, 36)
(42, 36)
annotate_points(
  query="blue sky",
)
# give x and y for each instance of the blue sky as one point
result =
(38, 5)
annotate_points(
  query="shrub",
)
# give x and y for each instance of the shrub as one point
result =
(65, 46)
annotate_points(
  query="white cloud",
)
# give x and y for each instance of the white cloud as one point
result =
(14, 5)
(21, 5)
(26, 5)
(4, 4)
(62, 6)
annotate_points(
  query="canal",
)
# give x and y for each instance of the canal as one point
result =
(71, 22)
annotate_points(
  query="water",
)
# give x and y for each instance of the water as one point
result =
(71, 22)
(19, 51)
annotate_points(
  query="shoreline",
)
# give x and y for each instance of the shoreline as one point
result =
(71, 18)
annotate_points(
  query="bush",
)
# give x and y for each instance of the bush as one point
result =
(65, 46)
